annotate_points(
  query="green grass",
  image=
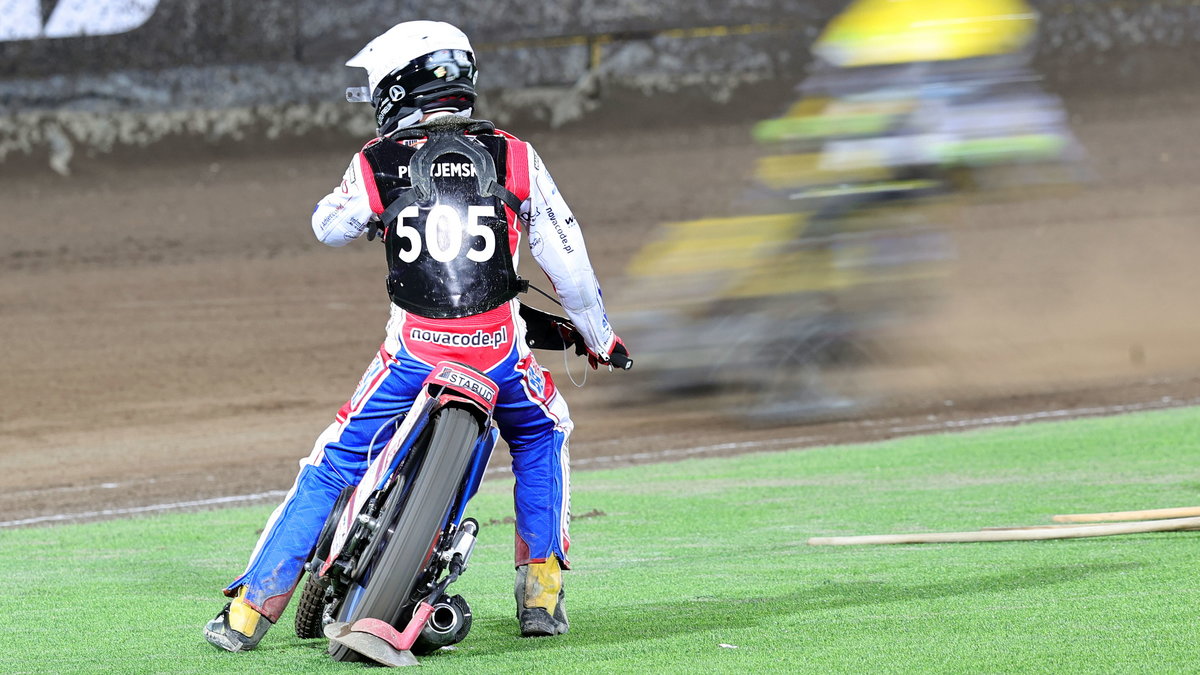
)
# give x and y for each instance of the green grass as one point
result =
(691, 556)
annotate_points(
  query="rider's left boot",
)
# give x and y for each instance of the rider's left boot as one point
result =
(238, 627)
(540, 607)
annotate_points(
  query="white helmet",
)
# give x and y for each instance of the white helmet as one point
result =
(414, 68)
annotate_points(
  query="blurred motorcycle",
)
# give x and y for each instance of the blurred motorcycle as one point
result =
(909, 106)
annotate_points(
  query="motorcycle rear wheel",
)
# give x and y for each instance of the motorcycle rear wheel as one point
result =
(412, 529)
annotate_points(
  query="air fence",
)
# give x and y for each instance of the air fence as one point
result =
(107, 74)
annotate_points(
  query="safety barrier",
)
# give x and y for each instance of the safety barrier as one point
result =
(108, 73)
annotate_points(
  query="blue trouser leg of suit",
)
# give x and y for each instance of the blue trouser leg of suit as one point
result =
(339, 459)
(536, 433)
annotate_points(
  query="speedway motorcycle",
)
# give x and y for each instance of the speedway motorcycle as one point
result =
(379, 574)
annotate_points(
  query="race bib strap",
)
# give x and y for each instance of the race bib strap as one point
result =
(368, 174)
(518, 172)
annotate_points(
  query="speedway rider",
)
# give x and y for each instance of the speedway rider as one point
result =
(453, 281)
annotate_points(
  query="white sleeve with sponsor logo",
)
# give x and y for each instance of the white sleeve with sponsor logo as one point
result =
(557, 245)
(342, 215)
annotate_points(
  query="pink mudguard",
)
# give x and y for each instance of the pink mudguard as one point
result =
(378, 640)
(373, 639)
(420, 618)
(384, 630)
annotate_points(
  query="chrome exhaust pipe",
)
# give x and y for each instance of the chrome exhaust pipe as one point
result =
(448, 624)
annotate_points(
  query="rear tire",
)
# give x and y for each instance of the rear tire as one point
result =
(415, 529)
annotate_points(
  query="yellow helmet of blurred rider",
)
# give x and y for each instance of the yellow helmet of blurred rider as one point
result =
(883, 32)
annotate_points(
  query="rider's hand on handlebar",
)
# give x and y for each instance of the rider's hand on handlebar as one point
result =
(618, 357)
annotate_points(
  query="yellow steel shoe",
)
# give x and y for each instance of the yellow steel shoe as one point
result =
(539, 591)
(238, 627)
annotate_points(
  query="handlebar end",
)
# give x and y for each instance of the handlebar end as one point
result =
(620, 361)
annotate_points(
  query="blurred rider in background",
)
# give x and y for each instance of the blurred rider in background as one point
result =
(453, 285)
(795, 308)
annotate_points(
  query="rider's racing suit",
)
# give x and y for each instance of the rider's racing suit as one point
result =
(531, 414)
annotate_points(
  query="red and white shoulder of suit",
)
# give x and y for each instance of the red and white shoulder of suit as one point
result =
(555, 240)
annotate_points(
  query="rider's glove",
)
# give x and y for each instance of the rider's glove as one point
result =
(571, 337)
(618, 356)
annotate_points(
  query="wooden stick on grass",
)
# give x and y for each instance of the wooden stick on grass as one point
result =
(1057, 526)
(1167, 525)
(1151, 514)
(1007, 528)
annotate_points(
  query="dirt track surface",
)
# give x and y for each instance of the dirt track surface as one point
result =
(171, 331)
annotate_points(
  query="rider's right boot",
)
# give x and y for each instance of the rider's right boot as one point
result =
(540, 607)
(238, 627)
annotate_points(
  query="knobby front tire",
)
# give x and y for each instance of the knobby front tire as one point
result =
(310, 614)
